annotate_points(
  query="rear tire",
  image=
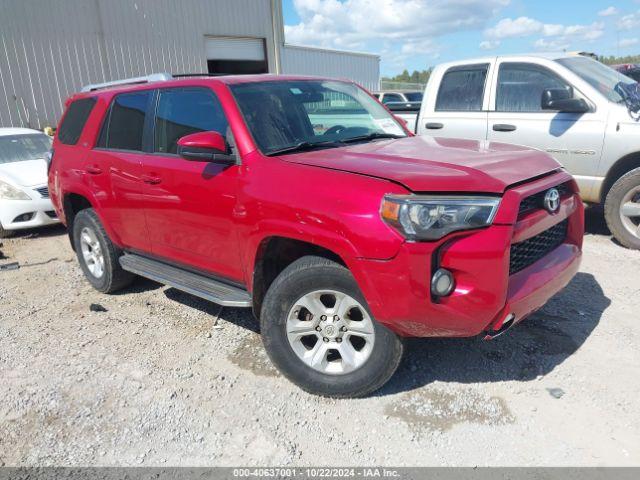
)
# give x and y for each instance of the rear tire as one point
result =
(6, 233)
(353, 355)
(620, 208)
(98, 256)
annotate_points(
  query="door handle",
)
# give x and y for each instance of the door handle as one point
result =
(151, 179)
(503, 127)
(434, 126)
(94, 170)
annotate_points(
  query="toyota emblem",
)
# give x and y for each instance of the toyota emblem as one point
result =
(552, 200)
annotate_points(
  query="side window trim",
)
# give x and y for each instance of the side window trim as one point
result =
(457, 68)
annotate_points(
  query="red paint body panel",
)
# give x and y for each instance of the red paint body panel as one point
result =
(427, 164)
(215, 218)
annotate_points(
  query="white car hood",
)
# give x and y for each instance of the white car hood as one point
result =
(29, 173)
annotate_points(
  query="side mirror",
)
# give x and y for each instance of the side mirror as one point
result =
(206, 147)
(562, 100)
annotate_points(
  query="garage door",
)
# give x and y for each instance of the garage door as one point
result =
(236, 55)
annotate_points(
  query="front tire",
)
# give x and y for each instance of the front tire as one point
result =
(622, 209)
(6, 233)
(318, 331)
(97, 255)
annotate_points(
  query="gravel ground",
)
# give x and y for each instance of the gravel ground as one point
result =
(163, 378)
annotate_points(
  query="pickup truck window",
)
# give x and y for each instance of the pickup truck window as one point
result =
(462, 89)
(602, 78)
(124, 125)
(520, 87)
(282, 114)
(182, 111)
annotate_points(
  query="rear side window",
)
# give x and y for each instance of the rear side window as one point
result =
(74, 120)
(182, 112)
(124, 126)
(462, 89)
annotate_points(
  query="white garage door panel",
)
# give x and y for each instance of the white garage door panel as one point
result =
(227, 48)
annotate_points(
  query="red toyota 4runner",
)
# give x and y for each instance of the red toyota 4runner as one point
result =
(306, 200)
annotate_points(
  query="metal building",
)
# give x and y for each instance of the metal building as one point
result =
(49, 49)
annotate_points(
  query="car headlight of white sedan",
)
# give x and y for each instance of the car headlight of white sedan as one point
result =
(9, 192)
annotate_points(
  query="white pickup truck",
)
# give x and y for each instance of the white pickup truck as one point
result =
(580, 111)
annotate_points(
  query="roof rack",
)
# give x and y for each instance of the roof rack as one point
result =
(154, 77)
(183, 75)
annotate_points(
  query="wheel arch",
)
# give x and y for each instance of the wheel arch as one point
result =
(274, 254)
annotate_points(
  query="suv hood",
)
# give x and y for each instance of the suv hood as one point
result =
(28, 173)
(424, 164)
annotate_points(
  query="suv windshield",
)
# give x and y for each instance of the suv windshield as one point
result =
(18, 148)
(599, 76)
(289, 115)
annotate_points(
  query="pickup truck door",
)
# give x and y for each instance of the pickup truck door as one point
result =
(190, 205)
(516, 116)
(459, 107)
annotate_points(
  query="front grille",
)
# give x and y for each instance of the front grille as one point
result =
(536, 200)
(43, 191)
(533, 249)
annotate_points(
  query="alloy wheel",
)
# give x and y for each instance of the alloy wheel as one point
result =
(330, 332)
(630, 211)
(92, 252)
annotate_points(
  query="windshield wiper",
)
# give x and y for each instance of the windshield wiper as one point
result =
(304, 146)
(371, 136)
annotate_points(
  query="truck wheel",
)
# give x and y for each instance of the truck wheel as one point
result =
(318, 331)
(622, 209)
(97, 255)
(6, 233)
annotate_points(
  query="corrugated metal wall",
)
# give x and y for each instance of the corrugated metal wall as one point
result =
(50, 49)
(362, 68)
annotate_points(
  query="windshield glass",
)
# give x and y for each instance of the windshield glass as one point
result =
(599, 76)
(413, 96)
(283, 114)
(18, 148)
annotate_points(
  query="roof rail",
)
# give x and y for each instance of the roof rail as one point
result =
(154, 77)
(186, 75)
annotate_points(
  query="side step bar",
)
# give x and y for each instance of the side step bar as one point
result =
(193, 283)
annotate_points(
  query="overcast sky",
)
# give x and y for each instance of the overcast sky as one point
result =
(416, 34)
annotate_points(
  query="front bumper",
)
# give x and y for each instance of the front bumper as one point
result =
(398, 290)
(34, 213)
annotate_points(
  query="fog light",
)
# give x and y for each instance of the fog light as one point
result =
(442, 283)
(25, 217)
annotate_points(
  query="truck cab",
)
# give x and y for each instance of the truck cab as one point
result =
(568, 105)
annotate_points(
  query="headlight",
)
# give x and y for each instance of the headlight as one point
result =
(420, 217)
(9, 192)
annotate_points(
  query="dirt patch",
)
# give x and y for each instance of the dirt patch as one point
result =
(250, 356)
(435, 409)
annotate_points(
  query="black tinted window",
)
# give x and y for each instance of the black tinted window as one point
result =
(392, 97)
(125, 124)
(520, 87)
(462, 89)
(74, 120)
(184, 111)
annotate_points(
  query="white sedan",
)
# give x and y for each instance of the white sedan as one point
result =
(24, 196)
